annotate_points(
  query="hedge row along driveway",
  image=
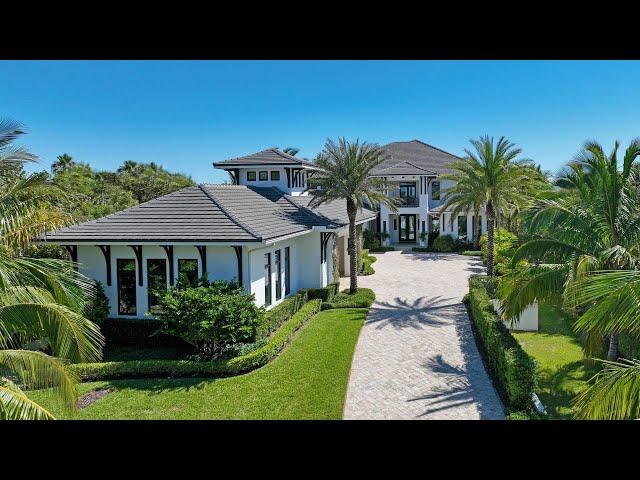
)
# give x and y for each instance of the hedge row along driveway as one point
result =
(307, 381)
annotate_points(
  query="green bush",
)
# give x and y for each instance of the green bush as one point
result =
(280, 313)
(190, 368)
(98, 308)
(371, 239)
(325, 294)
(503, 243)
(211, 317)
(471, 253)
(511, 367)
(363, 298)
(422, 249)
(139, 332)
(381, 249)
(444, 243)
(367, 260)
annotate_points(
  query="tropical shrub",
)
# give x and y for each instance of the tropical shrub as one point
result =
(210, 317)
(371, 239)
(137, 332)
(444, 243)
(503, 245)
(367, 260)
(191, 368)
(510, 366)
(97, 309)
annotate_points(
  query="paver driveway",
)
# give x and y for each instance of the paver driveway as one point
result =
(416, 357)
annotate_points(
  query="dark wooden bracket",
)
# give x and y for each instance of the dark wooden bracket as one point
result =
(238, 250)
(73, 252)
(106, 251)
(202, 250)
(324, 241)
(168, 249)
(137, 249)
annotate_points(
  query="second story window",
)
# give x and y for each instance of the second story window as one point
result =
(275, 175)
(263, 176)
(251, 176)
(408, 193)
(435, 190)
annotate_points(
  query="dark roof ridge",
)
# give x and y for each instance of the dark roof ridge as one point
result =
(232, 217)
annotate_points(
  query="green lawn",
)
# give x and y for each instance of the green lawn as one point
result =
(307, 381)
(562, 371)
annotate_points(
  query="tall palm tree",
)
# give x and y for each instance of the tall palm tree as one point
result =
(346, 176)
(492, 177)
(62, 163)
(40, 299)
(593, 226)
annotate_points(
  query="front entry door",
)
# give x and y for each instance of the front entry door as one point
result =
(407, 228)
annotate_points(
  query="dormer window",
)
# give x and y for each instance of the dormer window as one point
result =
(263, 176)
(275, 175)
(251, 176)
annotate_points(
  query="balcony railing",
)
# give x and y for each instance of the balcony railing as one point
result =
(404, 201)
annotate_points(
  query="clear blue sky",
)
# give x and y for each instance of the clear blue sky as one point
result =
(186, 114)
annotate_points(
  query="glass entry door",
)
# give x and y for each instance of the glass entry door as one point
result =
(407, 228)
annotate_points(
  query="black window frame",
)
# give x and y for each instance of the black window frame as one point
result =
(287, 270)
(135, 286)
(252, 173)
(276, 174)
(181, 261)
(266, 176)
(150, 293)
(433, 190)
(466, 229)
(278, 266)
(267, 279)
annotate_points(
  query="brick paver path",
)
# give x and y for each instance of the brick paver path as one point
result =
(416, 357)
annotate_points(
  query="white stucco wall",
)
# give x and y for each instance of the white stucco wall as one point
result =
(280, 184)
(221, 265)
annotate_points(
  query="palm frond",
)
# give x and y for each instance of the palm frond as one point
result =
(15, 405)
(614, 393)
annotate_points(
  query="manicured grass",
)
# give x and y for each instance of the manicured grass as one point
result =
(471, 253)
(307, 381)
(562, 371)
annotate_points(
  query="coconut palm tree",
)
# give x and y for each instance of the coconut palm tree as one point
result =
(41, 300)
(594, 225)
(492, 177)
(346, 176)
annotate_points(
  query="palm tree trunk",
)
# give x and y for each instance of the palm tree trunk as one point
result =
(612, 354)
(351, 247)
(490, 228)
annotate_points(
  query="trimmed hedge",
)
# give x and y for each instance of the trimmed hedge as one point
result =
(325, 294)
(363, 298)
(280, 314)
(471, 253)
(140, 332)
(188, 368)
(381, 249)
(510, 366)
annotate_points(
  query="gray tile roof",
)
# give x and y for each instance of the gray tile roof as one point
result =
(271, 156)
(209, 213)
(404, 168)
(414, 153)
(335, 211)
